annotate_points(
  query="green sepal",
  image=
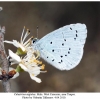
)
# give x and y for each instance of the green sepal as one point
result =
(19, 69)
(20, 52)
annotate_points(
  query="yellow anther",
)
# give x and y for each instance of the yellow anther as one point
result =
(43, 66)
(38, 62)
(35, 61)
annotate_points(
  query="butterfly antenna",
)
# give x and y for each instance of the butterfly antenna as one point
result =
(37, 31)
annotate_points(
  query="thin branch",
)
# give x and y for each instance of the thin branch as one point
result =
(3, 61)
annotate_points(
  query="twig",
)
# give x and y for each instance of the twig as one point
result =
(3, 61)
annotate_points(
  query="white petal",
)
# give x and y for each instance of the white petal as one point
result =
(34, 70)
(23, 67)
(13, 61)
(10, 42)
(14, 56)
(18, 45)
(16, 75)
(15, 43)
(38, 80)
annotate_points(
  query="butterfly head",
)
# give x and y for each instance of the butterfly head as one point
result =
(34, 40)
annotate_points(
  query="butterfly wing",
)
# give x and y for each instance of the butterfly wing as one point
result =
(63, 48)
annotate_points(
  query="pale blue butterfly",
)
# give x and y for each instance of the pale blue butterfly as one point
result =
(63, 48)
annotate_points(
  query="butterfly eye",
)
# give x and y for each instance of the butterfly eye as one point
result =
(34, 40)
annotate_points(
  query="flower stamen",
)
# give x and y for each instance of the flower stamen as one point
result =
(26, 34)
(43, 66)
(28, 41)
(37, 61)
(22, 34)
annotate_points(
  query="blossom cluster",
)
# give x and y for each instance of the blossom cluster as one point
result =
(25, 57)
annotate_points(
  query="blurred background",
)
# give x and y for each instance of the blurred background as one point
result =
(50, 16)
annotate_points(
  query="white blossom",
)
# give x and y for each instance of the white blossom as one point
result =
(29, 63)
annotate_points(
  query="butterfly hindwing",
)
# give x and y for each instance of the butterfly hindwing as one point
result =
(63, 48)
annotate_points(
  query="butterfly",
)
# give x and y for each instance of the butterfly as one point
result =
(62, 48)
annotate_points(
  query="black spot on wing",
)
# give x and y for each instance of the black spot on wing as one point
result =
(60, 61)
(52, 59)
(64, 39)
(50, 42)
(68, 52)
(70, 28)
(53, 50)
(76, 31)
(61, 56)
(74, 38)
(62, 44)
(76, 35)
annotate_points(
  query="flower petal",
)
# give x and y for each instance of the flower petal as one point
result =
(10, 42)
(38, 80)
(18, 45)
(23, 67)
(14, 56)
(15, 43)
(34, 70)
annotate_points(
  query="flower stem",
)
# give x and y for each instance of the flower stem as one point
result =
(3, 61)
